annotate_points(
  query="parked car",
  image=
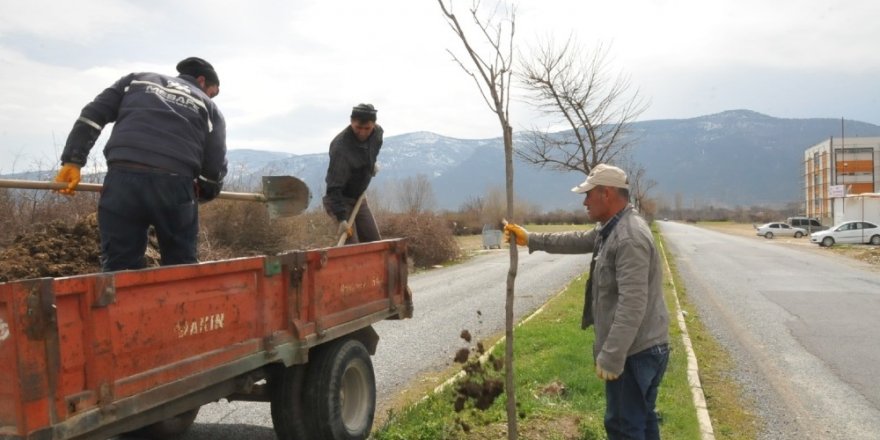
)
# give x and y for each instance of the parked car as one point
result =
(809, 224)
(848, 232)
(770, 230)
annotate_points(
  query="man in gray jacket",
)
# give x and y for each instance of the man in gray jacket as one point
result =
(624, 299)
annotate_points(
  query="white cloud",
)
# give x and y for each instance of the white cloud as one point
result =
(76, 22)
(290, 71)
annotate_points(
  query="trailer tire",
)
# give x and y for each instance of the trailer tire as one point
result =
(169, 428)
(341, 391)
(286, 396)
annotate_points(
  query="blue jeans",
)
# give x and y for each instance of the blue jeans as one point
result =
(134, 199)
(630, 400)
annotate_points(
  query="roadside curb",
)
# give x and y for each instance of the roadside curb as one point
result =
(693, 372)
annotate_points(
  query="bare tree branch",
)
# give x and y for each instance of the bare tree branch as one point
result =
(575, 87)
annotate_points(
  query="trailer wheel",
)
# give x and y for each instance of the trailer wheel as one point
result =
(288, 416)
(341, 391)
(169, 428)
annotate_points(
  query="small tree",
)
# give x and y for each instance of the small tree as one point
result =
(415, 195)
(492, 75)
(639, 185)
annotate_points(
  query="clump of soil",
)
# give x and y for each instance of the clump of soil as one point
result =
(466, 335)
(53, 250)
(553, 389)
(480, 385)
(482, 394)
(57, 249)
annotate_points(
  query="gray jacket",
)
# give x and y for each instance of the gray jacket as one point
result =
(628, 308)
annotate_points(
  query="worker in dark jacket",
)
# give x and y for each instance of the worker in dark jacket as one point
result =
(166, 153)
(353, 155)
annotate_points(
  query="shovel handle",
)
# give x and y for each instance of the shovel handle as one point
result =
(97, 187)
(351, 217)
(34, 184)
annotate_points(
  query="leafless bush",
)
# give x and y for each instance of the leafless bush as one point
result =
(558, 217)
(429, 237)
(25, 210)
(235, 229)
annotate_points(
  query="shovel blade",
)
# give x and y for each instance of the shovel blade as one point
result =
(286, 196)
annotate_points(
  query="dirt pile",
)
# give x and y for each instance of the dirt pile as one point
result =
(53, 250)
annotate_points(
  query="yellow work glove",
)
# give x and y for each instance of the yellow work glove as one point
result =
(69, 174)
(522, 236)
(604, 374)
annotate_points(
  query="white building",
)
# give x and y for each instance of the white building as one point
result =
(835, 168)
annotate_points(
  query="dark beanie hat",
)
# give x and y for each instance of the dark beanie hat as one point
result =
(364, 112)
(196, 67)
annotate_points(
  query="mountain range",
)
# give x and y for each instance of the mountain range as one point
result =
(733, 158)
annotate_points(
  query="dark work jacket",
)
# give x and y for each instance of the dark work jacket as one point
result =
(351, 168)
(160, 121)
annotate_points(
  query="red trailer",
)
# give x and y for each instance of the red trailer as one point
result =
(92, 356)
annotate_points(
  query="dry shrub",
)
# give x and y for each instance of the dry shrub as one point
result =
(26, 211)
(463, 223)
(235, 229)
(313, 229)
(231, 228)
(429, 237)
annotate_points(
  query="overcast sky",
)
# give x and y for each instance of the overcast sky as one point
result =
(290, 71)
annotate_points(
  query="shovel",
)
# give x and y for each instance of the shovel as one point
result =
(284, 196)
(351, 217)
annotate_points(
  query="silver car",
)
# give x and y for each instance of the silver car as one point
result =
(779, 229)
(848, 232)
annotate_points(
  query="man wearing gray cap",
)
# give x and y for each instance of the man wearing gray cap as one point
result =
(623, 298)
(353, 154)
(167, 152)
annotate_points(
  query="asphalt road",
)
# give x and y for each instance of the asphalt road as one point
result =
(468, 296)
(802, 326)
